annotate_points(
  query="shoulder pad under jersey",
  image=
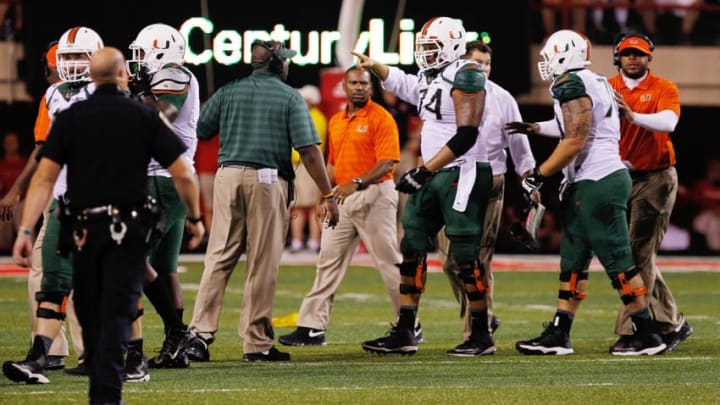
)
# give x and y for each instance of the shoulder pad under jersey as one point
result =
(170, 79)
(58, 96)
(51, 91)
(470, 78)
(568, 86)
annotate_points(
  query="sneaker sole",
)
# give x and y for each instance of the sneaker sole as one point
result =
(487, 352)
(20, 375)
(144, 378)
(650, 351)
(296, 343)
(266, 358)
(405, 350)
(544, 351)
(170, 363)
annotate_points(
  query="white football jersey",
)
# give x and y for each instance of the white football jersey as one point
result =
(501, 108)
(435, 107)
(59, 97)
(178, 80)
(601, 155)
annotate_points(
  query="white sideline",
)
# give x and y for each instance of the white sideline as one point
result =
(505, 262)
(501, 262)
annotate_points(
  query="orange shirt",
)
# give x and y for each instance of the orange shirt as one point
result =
(645, 149)
(42, 122)
(356, 143)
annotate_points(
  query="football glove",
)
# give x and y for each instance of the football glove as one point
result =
(140, 84)
(531, 184)
(413, 180)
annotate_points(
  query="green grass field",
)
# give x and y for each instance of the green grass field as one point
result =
(343, 373)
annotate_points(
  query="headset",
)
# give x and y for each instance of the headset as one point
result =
(622, 37)
(275, 63)
(44, 60)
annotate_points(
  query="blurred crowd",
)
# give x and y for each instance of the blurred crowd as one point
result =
(667, 22)
(11, 18)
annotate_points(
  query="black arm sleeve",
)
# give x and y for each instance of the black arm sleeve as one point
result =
(463, 140)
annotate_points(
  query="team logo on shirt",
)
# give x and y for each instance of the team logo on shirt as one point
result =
(645, 98)
(361, 129)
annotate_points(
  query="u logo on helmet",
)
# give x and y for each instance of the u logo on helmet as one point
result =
(157, 46)
(567, 48)
(456, 35)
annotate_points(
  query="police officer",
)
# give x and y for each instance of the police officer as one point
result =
(106, 143)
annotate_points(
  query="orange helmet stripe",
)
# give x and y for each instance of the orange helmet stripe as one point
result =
(427, 25)
(72, 35)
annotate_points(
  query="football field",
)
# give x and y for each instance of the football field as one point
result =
(342, 373)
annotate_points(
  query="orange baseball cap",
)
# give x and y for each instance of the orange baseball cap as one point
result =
(51, 55)
(635, 42)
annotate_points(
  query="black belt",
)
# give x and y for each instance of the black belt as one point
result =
(108, 211)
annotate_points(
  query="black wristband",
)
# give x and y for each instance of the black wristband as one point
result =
(537, 174)
(194, 220)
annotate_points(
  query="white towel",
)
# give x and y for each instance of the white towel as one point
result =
(466, 181)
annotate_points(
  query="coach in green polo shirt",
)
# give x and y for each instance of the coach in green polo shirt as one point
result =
(259, 119)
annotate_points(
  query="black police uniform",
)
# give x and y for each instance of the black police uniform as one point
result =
(107, 142)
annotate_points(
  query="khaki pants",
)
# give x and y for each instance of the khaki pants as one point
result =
(491, 227)
(651, 203)
(368, 215)
(249, 217)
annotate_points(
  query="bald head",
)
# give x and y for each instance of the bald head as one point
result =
(107, 66)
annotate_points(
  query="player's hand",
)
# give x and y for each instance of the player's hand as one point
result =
(140, 84)
(22, 250)
(7, 204)
(623, 108)
(531, 186)
(343, 191)
(413, 180)
(197, 230)
(529, 128)
(364, 61)
(328, 212)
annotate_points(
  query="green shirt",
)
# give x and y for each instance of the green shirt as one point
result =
(259, 118)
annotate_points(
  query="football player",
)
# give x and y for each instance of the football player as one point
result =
(160, 79)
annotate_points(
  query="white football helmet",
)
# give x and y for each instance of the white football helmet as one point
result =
(440, 42)
(564, 50)
(155, 46)
(75, 47)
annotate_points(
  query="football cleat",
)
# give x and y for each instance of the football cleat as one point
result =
(397, 340)
(552, 341)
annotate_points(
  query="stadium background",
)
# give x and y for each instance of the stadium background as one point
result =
(512, 26)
